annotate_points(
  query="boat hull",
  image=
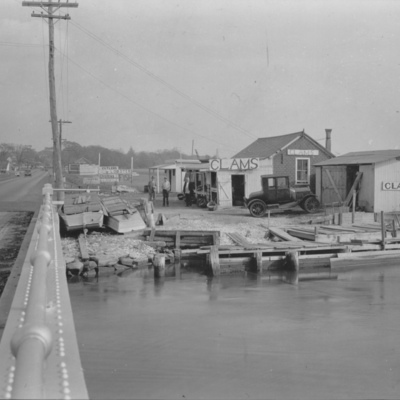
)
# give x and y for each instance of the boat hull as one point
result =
(125, 223)
(85, 220)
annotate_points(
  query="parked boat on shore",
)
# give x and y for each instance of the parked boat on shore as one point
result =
(120, 217)
(81, 212)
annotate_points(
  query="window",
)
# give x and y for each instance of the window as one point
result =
(282, 183)
(302, 170)
(271, 182)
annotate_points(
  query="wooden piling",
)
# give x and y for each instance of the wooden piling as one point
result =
(83, 248)
(292, 261)
(178, 240)
(214, 260)
(383, 229)
(258, 261)
(159, 265)
(353, 214)
(177, 262)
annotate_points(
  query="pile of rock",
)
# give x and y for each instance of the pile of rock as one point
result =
(105, 250)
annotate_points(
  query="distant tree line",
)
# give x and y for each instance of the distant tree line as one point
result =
(72, 151)
(18, 155)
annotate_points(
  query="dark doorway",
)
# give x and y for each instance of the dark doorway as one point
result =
(237, 190)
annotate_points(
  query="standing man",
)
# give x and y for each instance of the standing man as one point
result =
(152, 189)
(186, 192)
(166, 188)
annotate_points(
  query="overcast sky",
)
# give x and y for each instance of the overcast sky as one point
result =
(158, 74)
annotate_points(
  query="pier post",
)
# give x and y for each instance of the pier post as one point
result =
(177, 262)
(258, 258)
(214, 260)
(292, 261)
(292, 267)
(383, 229)
(159, 265)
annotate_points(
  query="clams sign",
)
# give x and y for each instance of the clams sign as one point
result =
(391, 185)
(234, 164)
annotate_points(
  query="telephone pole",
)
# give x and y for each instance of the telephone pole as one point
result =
(50, 7)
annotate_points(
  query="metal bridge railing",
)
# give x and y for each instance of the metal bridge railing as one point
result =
(39, 355)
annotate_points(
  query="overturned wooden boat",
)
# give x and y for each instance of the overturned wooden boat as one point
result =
(81, 212)
(119, 217)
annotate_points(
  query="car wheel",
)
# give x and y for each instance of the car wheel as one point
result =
(257, 208)
(311, 205)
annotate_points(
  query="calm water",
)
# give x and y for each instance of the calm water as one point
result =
(239, 336)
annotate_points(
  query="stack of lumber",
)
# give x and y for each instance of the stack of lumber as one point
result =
(365, 259)
(182, 238)
(337, 234)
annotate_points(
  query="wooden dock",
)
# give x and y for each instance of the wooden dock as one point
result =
(323, 249)
(310, 251)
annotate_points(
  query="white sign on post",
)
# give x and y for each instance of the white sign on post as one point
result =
(108, 170)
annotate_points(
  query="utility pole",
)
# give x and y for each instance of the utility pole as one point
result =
(50, 7)
(60, 121)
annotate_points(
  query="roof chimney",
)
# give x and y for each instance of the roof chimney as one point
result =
(328, 139)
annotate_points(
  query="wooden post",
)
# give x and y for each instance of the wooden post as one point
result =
(150, 215)
(214, 260)
(159, 265)
(216, 239)
(340, 216)
(292, 266)
(292, 261)
(178, 240)
(394, 231)
(258, 257)
(383, 229)
(353, 214)
(316, 231)
(83, 248)
(178, 255)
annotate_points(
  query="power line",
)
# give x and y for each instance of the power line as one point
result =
(142, 107)
(15, 44)
(162, 81)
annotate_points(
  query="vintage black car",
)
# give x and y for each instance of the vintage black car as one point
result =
(277, 193)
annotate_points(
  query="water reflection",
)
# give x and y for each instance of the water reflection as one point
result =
(244, 335)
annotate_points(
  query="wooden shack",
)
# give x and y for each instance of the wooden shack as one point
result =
(292, 155)
(374, 175)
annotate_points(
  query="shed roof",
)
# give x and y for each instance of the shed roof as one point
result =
(164, 166)
(82, 160)
(183, 165)
(361, 157)
(268, 146)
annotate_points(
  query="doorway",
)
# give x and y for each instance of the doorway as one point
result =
(237, 190)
